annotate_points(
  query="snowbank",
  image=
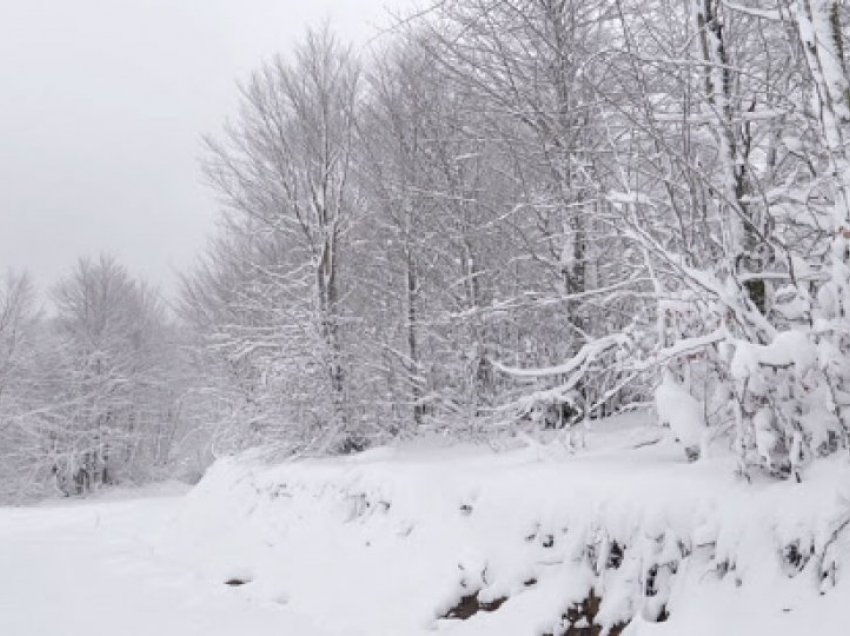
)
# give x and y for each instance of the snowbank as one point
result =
(407, 541)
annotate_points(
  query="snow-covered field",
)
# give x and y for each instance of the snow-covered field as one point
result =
(389, 542)
(93, 569)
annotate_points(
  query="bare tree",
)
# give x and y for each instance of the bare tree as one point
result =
(284, 173)
(111, 367)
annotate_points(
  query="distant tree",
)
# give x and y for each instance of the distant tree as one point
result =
(19, 328)
(111, 403)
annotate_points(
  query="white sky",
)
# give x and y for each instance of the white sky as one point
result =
(102, 106)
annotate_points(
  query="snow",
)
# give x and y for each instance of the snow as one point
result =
(385, 543)
(789, 348)
(390, 540)
(682, 412)
(765, 434)
(92, 569)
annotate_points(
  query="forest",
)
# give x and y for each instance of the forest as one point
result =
(502, 217)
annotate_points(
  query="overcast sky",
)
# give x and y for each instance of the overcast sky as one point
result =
(102, 106)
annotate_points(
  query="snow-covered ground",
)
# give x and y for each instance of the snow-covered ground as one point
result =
(389, 542)
(93, 569)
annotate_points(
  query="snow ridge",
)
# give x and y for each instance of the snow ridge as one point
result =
(627, 536)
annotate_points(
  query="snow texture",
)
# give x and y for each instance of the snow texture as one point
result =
(388, 542)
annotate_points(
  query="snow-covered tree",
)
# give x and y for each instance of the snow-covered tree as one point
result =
(276, 278)
(111, 404)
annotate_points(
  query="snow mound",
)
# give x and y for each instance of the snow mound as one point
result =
(626, 537)
(679, 410)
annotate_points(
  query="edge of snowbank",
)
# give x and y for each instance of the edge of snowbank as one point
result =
(388, 541)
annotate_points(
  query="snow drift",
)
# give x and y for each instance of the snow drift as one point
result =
(624, 537)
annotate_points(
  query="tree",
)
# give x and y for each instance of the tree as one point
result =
(19, 324)
(284, 173)
(109, 385)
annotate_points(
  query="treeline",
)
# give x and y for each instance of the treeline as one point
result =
(391, 234)
(91, 383)
(521, 210)
(513, 213)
